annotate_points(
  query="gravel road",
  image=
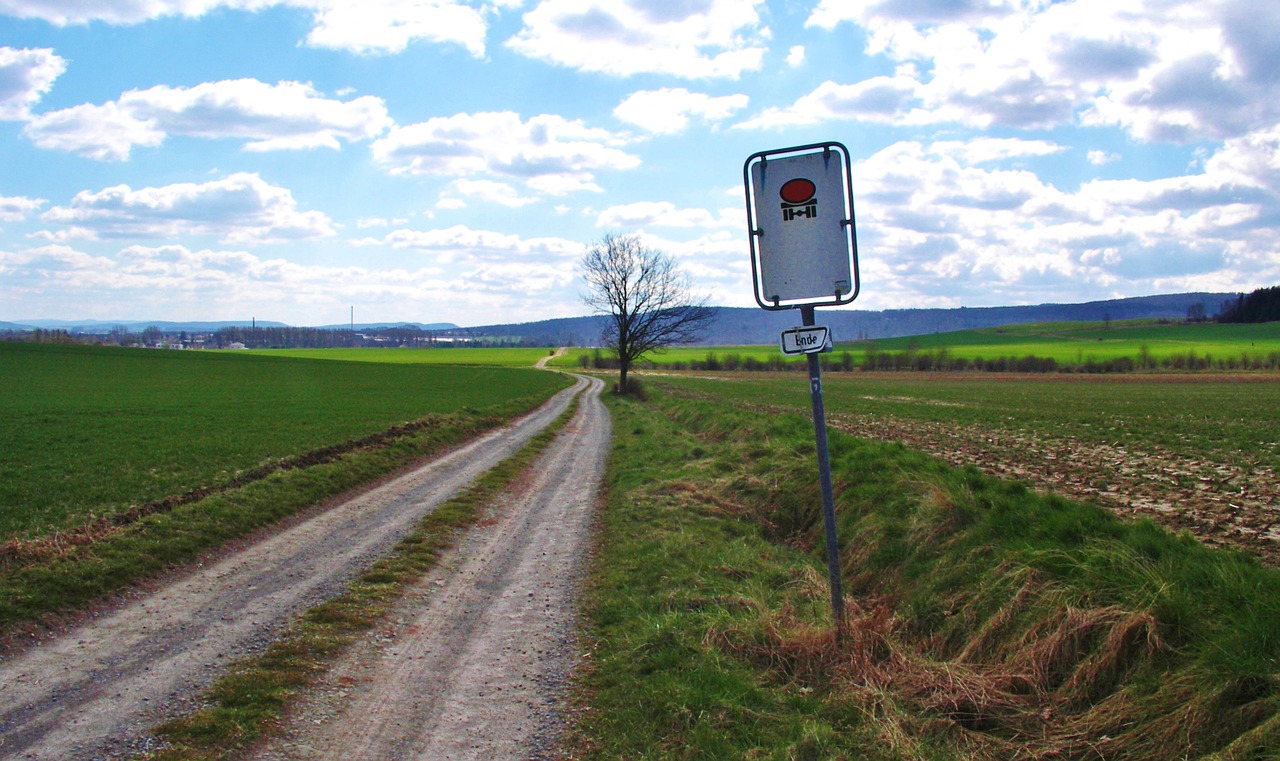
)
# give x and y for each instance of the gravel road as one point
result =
(471, 663)
(94, 691)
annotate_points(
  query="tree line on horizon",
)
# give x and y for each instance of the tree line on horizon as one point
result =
(1262, 305)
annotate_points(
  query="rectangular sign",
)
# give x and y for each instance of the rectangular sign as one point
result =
(810, 340)
(800, 211)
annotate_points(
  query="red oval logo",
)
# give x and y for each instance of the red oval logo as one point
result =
(798, 190)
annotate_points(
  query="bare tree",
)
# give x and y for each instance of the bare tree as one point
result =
(650, 303)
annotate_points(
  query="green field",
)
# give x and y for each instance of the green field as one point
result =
(1219, 417)
(90, 431)
(1160, 346)
(483, 356)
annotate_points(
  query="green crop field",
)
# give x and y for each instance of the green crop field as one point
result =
(485, 356)
(1145, 342)
(90, 431)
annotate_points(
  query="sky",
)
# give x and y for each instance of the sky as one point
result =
(451, 160)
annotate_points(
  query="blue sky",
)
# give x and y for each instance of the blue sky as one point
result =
(445, 160)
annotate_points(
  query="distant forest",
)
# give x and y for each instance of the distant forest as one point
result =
(1263, 305)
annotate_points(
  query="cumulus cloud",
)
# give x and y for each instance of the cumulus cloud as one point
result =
(286, 115)
(367, 27)
(548, 153)
(242, 208)
(986, 149)
(939, 220)
(665, 214)
(26, 74)
(389, 26)
(667, 111)
(690, 40)
(879, 99)
(1178, 70)
(167, 279)
(486, 191)
(1102, 158)
(499, 266)
(18, 208)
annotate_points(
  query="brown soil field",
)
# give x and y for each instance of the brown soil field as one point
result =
(1221, 504)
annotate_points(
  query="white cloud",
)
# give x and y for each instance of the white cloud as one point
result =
(25, 75)
(668, 110)
(17, 208)
(795, 56)
(1178, 70)
(165, 280)
(941, 224)
(549, 153)
(486, 191)
(1102, 158)
(389, 26)
(287, 115)
(981, 150)
(879, 99)
(691, 40)
(665, 214)
(242, 208)
(365, 26)
(64, 12)
(463, 244)
(494, 265)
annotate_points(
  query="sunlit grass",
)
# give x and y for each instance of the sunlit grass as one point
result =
(90, 431)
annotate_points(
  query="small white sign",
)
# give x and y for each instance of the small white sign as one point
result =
(810, 340)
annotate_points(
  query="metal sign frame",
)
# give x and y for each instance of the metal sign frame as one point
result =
(796, 167)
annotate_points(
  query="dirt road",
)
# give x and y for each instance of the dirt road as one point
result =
(470, 663)
(94, 691)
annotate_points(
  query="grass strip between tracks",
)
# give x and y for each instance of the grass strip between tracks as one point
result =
(244, 704)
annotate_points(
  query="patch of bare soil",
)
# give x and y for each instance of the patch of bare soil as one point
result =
(95, 690)
(1221, 504)
(471, 663)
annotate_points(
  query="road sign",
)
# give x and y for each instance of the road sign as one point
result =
(804, 249)
(804, 254)
(811, 340)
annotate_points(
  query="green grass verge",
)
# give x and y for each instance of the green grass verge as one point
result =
(243, 705)
(987, 621)
(90, 432)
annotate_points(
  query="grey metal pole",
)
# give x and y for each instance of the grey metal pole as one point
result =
(824, 475)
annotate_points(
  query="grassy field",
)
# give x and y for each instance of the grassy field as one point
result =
(1074, 343)
(90, 431)
(987, 621)
(1216, 416)
(484, 356)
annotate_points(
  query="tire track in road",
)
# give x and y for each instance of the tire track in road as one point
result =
(95, 690)
(471, 663)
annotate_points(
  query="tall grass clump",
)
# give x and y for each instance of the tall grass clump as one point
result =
(987, 621)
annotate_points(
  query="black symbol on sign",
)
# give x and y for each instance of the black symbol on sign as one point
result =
(799, 199)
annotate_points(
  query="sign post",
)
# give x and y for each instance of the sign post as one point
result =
(804, 254)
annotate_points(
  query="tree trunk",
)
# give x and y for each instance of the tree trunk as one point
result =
(622, 377)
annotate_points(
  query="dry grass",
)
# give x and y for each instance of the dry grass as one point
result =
(1054, 690)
